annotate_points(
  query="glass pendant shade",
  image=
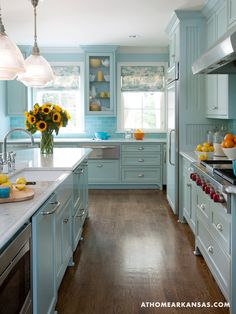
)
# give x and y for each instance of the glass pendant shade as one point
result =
(11, 59)
(38, 72)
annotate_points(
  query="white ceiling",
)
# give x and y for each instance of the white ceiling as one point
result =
(92, 22)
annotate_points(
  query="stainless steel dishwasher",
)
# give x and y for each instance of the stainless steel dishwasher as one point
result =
(103, 151)
(15, 274)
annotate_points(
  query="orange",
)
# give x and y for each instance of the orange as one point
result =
(223, 144)
(229, 143)
(234, 138)
(229, 136)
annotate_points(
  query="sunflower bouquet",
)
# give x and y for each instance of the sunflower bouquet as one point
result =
(46, 119)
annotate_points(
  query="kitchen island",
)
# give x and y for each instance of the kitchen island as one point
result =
(55, 215)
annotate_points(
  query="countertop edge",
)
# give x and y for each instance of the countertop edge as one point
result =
(189, 155)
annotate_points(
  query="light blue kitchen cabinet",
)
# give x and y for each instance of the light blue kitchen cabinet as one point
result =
(141, 163)
(174, 46)
(103, 171)
(100, 80)
(43, 258)
(80, 208)
(231, 6)
(213, 239)
(220, 94)
(188, 196)
(63, 240)
(16, 98)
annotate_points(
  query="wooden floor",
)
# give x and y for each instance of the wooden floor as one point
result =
(135, 251)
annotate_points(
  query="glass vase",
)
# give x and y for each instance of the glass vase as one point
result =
(46, 144)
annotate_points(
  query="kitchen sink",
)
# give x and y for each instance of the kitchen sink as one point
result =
(40, 175)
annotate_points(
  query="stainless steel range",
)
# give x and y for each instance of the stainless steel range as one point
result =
(215, 177)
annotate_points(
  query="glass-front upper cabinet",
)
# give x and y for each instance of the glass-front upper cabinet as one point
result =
(99, 87)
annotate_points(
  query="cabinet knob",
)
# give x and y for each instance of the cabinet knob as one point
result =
(141, 175)
(203, 207)
(141, 160)
(100, 166)
(66, 220)
(210, 249)
(214, 108)
(141, 148)
(189, 185)
(219, 227)
(190, 169)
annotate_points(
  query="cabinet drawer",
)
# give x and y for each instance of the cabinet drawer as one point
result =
(103, 171)
(143, 160)
(203, 206)
(143, 175)
(217, 260)
(221, 226)
(141, 147)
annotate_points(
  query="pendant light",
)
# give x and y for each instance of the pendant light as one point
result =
(38, 70)
(11, 59)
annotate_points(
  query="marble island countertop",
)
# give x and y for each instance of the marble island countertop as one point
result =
(14, 215)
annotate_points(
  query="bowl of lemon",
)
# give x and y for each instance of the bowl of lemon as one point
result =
(204, 151)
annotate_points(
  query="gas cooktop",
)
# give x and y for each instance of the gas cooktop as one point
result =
(222, 168)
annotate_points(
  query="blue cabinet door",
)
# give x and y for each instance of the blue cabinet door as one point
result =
(43, 237)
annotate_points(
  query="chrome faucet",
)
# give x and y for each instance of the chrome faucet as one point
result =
(5, 140)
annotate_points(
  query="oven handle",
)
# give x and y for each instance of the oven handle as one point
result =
(12, 263)
(57, 203)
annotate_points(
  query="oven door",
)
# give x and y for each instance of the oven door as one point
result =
(15, 279)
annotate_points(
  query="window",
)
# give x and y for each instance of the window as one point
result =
(141, 96)
(66, 91)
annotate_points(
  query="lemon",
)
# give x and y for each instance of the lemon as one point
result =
(205, 149)
(21, 180)
(211, 149)
(199, 148)
(206, 144)
(8, 183)
(203, 157)
(3, 178)
(20, 187)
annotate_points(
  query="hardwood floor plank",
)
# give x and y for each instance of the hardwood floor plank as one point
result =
(135, 251)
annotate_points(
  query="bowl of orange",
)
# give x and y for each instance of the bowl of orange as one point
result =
(228, 146)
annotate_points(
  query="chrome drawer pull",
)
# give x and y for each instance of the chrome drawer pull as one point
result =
(189, 185)
(210, 249)
(141, 175)
(81, 214)
(57, 203)
(219, 227)
(100, 166)
(141, 148)
(66, 220)
(141, 160)
(203, 207)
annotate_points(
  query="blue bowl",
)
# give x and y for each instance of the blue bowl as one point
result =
(101, 135)
(234, 167)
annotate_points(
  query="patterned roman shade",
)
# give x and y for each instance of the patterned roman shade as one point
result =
(66, 78)
(142, 78)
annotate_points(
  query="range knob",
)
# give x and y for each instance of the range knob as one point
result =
(207, 189)
(193, 176)
(212, 192)
(204, 185)
(199, 181)
(218, 198)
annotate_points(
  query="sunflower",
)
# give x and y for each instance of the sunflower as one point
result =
(31, 119)
(57, 108)
(41, 125)
(35, 110)
(60, 125)
(26, 114)
(46, 108)
(56, 117)
(67, 115)
(26, 123)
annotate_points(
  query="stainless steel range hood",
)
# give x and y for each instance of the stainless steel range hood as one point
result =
(220, 58)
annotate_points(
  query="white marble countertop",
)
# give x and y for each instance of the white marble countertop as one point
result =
(87, 140)
(191, 156)
(14, 215)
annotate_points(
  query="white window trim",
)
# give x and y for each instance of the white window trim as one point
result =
(82, 82)
(130, 63)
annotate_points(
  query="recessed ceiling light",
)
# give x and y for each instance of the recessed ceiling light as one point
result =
(134, 36)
